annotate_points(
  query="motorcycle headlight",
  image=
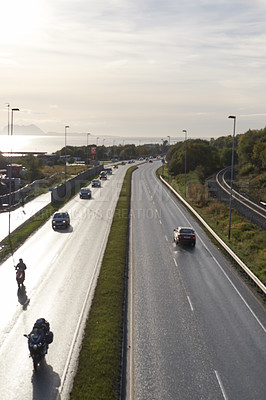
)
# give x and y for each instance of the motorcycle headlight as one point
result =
(35, 346)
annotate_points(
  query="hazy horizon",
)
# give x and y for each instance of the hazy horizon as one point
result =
(133, 68)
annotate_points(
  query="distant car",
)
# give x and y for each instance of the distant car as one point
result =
(150, 160)
(115, 166)
(96, 183)
(103, 175)
(123, 163)
(85, 193)
(185, 235)
(109, 171)
(61, 220)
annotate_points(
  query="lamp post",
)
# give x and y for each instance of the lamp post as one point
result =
(103, 151)
(8, 119)
(97, 150)
(168, 140)
(65, 150)
(10, 168)
(232, 171)
(88, 134)
(185, 132)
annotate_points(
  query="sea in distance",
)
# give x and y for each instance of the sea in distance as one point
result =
(51, 143)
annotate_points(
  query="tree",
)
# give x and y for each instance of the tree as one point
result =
(33, 165)
(259, 155)
(247, 142)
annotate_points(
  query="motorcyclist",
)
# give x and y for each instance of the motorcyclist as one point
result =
(42, 328)
(21, 267)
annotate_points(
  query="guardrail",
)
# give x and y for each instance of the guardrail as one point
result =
(222, 243)
(63, 191)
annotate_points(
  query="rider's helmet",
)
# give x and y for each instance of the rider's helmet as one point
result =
(20, 260)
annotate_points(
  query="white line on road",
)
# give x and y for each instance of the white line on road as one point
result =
(223, 271)
(175, 262)
(166, 238)
(191, 306)
(221, 385)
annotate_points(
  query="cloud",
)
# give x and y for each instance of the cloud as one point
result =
(118, 65)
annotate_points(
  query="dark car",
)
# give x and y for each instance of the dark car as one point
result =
(185, 235)
(109, 171)
(96, 183)
(85, 193)
(61, 220)
(103, 175)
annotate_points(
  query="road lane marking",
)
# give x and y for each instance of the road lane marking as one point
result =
(221, 385)
(221, 268)
(55, 257)
(175, 262)
(166, 238)
(235, 288)
(191, 306)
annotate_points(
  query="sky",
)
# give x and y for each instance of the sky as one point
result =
(150, 68)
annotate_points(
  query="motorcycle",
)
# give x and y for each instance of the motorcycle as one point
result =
(38, 342)
(20, 277)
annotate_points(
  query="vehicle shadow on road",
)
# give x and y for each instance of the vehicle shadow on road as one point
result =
(183, 248)
(45, 383)
(67, 230)
(22, 297)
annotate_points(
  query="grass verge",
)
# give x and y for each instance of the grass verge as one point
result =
(99, 370)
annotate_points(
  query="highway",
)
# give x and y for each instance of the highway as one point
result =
(195, 330)
(62, 268)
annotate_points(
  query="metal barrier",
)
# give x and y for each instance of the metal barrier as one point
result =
(65, 190)
(222, 243)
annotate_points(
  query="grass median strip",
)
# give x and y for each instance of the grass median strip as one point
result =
(99, 371)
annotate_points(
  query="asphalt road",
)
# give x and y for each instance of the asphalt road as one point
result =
(195, 330)
(62, 268)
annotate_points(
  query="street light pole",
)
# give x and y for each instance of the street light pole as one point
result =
(185, 132)
(8, 119)
(97, 150)
(87, 149)
(103, 151)
(232, 172)
(10, 169)
(65, 150)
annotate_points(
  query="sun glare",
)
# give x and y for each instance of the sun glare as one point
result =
(14, 143)
(19, 20)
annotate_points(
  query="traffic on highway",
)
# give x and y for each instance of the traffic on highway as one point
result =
(196, 330)
(62, 269)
